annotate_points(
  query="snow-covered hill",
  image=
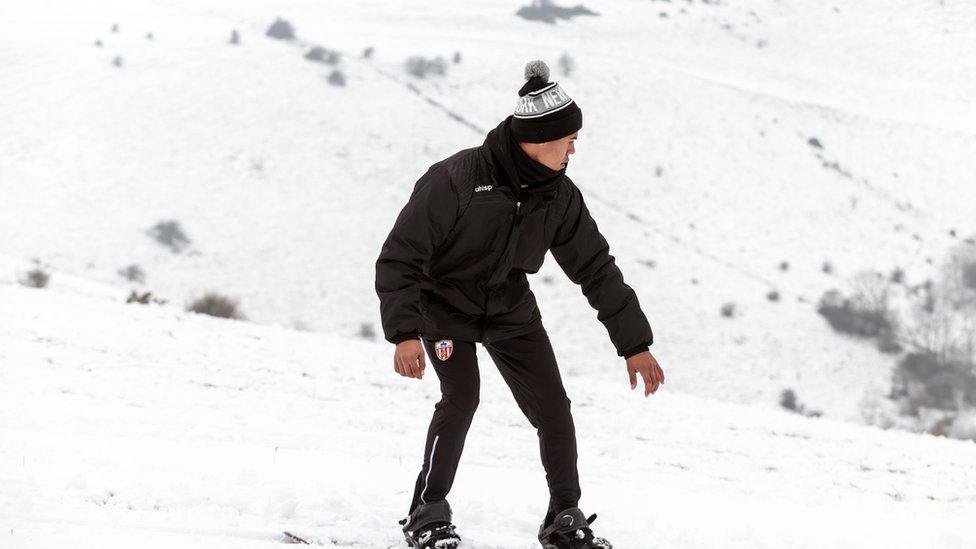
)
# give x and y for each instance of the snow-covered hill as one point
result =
(144, 426)
(720, 140)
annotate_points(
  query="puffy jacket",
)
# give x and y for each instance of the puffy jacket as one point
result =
(455, 262)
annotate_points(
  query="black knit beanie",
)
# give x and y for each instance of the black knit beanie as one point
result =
(544, 112)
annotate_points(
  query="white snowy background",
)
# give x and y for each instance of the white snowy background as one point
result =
(720, 139)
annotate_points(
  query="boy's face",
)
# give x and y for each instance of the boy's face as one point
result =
(552, 154)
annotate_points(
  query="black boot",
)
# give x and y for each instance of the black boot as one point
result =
(571, 530)
(429, 527)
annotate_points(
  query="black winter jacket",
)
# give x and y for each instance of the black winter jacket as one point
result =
(455, 263)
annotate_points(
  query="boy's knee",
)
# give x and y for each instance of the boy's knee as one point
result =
(465, 401)
(556, 408)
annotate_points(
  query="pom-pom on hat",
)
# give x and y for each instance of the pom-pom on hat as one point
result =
(544, 111)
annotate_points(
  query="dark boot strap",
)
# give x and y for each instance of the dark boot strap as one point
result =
(567, 521)
(437, 511)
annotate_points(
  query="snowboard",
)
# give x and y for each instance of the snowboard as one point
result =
(289, 536)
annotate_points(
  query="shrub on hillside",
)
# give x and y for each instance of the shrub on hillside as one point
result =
(548, 12)
(865, 313)
(214, 304)
(281, 29)
(366, 331)
(969, 275)
(924, 379)
(788, 400)
(888, 343)
(847, 318)
(943, 319)
(133, 273)
(337, 78)
(36, 278)
(170, 234)
(322, 55)
(421, 66)
(144, 298)
(933, 387)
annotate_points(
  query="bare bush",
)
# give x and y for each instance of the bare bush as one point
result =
(943, 319)
(214, 304)
(936, 382)
(866, 312)
(144, 298)
(36, 278)
(869, 291)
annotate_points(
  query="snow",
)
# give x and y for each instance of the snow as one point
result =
(124, 424)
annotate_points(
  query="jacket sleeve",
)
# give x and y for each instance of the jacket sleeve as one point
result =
(421, 226)
(584, 255)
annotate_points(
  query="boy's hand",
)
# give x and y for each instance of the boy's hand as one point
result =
(650, 370)
(408, 359)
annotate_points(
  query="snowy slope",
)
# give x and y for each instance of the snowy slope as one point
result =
(128, 425)
(694, 155)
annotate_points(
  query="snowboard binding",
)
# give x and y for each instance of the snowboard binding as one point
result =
(429, 527)
(571, 530)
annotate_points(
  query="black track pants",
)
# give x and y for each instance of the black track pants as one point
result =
(528, 366)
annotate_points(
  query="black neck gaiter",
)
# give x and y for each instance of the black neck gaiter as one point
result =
(531, 172)
(523, 172)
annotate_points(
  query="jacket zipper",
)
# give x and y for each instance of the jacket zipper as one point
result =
(511, 229)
